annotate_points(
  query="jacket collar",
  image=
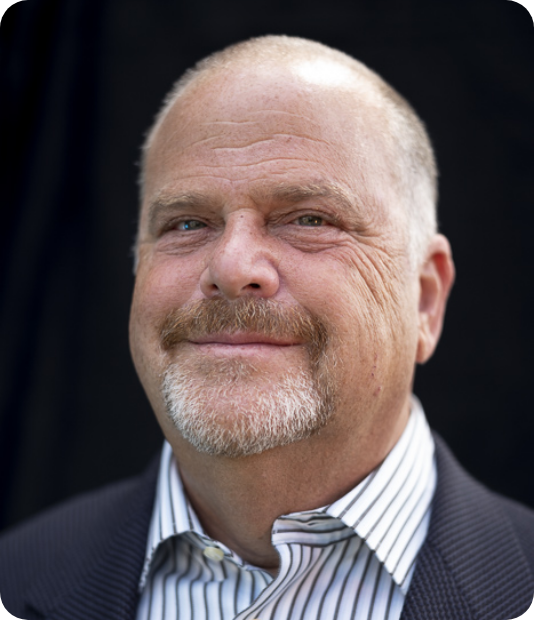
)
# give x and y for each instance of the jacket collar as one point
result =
(471, 561)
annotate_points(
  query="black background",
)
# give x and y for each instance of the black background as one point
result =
(81, 81)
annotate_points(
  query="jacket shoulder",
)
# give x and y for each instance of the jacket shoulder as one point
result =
(477, 560)
(64, 538)
(522, 519)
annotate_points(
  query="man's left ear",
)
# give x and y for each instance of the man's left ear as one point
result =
(436, 276)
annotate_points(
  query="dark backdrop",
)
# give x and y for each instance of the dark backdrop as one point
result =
(81, 80)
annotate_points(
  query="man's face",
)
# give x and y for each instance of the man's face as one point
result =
(274, 296)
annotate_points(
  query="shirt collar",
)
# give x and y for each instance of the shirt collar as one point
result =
(386, 509)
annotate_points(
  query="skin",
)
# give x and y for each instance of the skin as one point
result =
(217, 222)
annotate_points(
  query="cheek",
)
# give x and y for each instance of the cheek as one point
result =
(353, 287)
(164, 285)
(159, 288)
(379, 281)
(364, 298)
(380, 326)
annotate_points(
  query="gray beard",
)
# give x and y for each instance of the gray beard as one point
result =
(229, 409)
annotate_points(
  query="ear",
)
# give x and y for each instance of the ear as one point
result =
(436, 276)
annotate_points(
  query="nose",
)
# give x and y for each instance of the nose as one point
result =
(242, 262)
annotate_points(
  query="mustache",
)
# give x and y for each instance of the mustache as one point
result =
(263, 316)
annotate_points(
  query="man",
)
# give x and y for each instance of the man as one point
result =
(289, 277)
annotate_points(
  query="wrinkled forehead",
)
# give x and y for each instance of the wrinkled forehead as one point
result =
(302, 108)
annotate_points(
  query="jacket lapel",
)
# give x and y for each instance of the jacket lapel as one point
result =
(103, 585)
(471, 566)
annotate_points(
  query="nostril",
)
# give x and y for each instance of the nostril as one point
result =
(254, 285)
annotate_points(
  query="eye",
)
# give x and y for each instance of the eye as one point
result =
(190, 225)
(310, 220)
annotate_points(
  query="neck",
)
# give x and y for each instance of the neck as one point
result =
(238, 499)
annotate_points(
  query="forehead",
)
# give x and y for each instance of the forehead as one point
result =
(244, 130)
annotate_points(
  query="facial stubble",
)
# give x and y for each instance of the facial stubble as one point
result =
(230, 407)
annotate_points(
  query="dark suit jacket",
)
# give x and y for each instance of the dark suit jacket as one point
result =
(82, 561)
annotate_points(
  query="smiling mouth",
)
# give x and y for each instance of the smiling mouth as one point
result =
(248, 324)
(244, 339)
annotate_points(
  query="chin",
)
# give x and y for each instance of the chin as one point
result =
(240, 412)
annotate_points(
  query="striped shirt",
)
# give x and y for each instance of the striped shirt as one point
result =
(351, 560)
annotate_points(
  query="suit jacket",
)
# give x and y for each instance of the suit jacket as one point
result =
(82, 560)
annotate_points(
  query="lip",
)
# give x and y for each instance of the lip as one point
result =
(244, 338)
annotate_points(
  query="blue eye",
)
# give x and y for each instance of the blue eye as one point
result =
(191, 225)
(310, 220)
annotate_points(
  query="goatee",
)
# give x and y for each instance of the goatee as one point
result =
(228, 407)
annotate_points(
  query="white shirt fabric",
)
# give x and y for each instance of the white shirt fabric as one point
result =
(351, 560)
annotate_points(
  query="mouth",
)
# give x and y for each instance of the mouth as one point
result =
(251, 346)
(243, 328)
(246, 339)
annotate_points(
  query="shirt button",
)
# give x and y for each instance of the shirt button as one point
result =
(214, 553)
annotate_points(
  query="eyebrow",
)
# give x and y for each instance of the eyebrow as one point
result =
(289, 194)
(347, 203)
(181, 200)
(294, 194)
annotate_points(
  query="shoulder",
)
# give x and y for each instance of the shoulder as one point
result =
(459, 491)
(479, 546)
(69, 522)
(522, 519)
(462, 500)
(73, 534)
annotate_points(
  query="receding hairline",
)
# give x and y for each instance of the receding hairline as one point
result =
(413, 165)
(276, 51)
